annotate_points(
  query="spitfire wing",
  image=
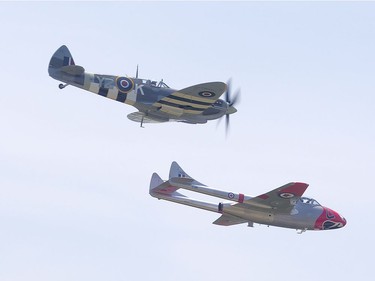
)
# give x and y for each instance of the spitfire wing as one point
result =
(192, 100)
(281, 199)
(144, 118)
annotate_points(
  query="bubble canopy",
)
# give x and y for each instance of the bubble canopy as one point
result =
(310, 201)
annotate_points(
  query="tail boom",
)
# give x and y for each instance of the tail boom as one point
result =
(188, 202)
(185, 183)
(165, 190)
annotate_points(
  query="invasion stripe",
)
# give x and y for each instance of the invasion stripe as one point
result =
(186, 107)
(103, 92)
(184, 103)
(195, 97)
(121, 97)
(190, 100)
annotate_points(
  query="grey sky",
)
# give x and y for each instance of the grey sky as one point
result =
(74, 171)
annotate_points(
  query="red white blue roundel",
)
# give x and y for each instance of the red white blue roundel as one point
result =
(286, 195)
(206, 94)
(124, 84)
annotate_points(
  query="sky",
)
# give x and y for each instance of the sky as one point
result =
(75, 172)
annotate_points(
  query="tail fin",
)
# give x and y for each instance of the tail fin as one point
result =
(158, 186)
(177, 172)
(155, 182)
(62, 60)
(177, 179)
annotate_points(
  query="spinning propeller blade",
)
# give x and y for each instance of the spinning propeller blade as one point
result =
(231, 102)
(226, 124)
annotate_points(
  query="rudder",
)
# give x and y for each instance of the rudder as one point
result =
(155, 181)
(62, 57)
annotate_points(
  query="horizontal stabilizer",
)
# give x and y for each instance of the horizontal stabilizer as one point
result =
(227, 220)
(165, 190)
(73, 69)
(158, 186)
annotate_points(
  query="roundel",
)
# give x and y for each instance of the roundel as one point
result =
(230, 195)
(124, 84)
(286, 195)
(206, 94)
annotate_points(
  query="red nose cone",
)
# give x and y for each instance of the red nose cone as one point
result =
(329, 219)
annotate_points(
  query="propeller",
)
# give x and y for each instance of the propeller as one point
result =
(231, 101)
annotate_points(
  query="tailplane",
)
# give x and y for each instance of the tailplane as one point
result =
(160, 188)
(166, 190)
(62, 63)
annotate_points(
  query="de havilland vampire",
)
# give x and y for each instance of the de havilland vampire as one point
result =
(282, 207)
(155, 101)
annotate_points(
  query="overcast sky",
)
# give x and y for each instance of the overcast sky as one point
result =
(75, 172)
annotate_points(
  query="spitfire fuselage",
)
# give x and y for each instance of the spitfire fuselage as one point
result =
(155, 101)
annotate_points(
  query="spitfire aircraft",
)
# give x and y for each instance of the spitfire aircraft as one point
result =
(155, 101)
(282, 207)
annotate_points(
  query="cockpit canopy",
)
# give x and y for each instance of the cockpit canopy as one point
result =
(151, 83)
(310, 201)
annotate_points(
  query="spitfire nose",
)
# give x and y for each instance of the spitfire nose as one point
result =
(231, 109)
